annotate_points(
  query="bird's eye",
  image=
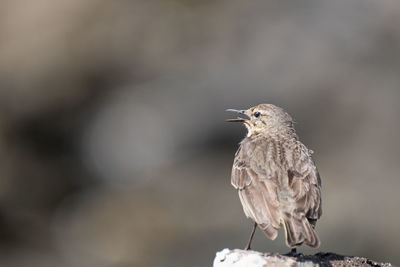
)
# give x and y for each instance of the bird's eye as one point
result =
(257, 114)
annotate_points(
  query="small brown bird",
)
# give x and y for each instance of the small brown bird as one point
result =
(276, 178)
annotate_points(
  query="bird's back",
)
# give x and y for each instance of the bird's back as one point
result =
(279, 184)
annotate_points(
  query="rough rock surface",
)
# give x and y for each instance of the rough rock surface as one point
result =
(243, 258)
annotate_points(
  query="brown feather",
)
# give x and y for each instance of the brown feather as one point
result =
(277, 180)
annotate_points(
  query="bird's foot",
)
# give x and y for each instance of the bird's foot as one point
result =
(293, 253)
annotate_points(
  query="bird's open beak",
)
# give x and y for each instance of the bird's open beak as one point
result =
(238, 119)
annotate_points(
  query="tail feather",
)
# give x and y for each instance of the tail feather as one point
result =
(299, 231)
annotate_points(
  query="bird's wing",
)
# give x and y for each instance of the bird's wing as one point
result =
(254, 163)
(257, 192)
(241, 177)
(304, 180)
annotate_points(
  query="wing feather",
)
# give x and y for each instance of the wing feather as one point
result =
(305, 183)
(257, 192)
(274, 180)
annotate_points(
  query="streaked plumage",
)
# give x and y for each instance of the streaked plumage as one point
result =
(276, 178)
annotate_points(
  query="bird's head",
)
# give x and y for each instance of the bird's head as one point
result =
(263, 118)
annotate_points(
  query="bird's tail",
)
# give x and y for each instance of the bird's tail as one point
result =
(299, 231)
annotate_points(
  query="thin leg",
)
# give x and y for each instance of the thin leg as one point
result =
(293, 253)
(251, 237)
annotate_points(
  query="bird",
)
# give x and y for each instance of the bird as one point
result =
(276, 178)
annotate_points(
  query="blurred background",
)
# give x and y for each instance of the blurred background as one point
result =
(113, 145)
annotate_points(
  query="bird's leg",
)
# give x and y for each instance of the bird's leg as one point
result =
(251, 237)
(293, 253)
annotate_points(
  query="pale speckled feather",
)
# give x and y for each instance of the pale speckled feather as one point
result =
(277, 180)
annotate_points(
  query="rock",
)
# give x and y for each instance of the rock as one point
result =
(243, 258)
